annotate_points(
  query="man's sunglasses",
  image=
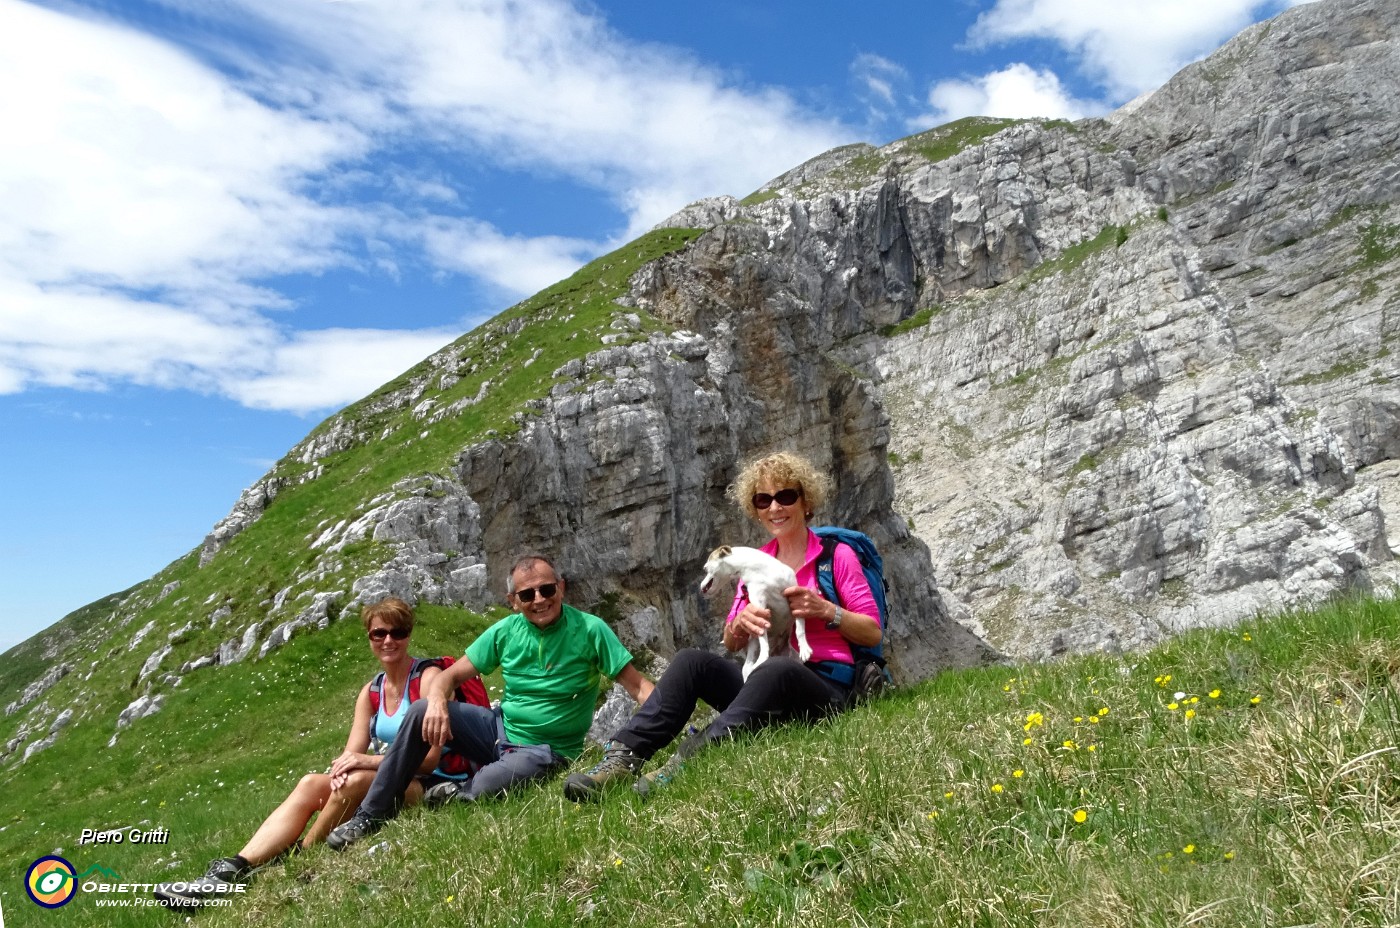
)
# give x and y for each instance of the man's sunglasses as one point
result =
(762, 501)
(379, 634)
(546, 590)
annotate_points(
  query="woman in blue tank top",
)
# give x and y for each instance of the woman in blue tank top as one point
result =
(335, 794)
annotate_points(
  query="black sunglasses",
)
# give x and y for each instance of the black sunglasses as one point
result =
(546, 590)
(762, 501)
(379, 634)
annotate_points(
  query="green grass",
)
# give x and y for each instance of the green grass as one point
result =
(916, 321)
(948, 140)
(759, 196)
(1380, 242)
(1232, 777)
(1075, 255)
(1336, 371)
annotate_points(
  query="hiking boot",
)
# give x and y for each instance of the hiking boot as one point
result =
(693, 741)
(655, 779)
(223, 874)
(347, 833)
(440, 794)
(618, 763)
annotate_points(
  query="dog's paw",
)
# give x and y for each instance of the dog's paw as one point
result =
(804, 651)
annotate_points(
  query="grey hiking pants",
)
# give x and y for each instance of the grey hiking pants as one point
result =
(477, 734)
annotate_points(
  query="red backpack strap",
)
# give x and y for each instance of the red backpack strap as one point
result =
(376, 695)
(415, 677)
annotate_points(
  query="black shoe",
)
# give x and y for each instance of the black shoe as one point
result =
(618, 763)
(440, 794)
(347, 833)
(223, 874)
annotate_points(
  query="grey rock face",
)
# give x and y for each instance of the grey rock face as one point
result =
(236, 649)
(1195, 424)
(36, 689)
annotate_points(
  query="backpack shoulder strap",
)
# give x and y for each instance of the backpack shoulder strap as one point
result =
(826, 575)
(376, 696)
(415, 677)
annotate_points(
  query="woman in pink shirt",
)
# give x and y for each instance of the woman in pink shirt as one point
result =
(781, 492)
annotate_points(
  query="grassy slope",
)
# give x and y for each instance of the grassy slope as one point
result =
(1277, 802)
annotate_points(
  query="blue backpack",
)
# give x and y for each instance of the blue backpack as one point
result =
(870, 675)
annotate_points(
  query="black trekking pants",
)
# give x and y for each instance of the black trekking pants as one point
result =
(777, 691)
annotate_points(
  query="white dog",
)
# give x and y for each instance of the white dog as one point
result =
(765, 577)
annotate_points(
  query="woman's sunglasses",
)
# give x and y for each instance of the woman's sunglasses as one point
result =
(762, 501)
(546, 590)
(379, 634)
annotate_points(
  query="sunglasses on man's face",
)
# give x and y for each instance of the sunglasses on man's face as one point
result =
(379, 634)
(762, 501)
(546, 590)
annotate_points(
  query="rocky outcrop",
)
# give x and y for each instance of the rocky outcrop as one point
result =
(36, 689)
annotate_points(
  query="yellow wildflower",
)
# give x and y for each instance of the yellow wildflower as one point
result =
(1026, 740)
(1172, 706)
(1018, 773)
(1092, 748)
(450, 898)
(948, 795)
(1254, 701)
(1103, 711)
(1080, 816)
(1246, 637)
(1093, 720)
(1229, 855)
(997, 787)
(1189, 849)
(1190, 713)
(1078, 719)
(1069, 745)
(1215, 694)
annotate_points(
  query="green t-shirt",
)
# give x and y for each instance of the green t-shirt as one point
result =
(551, 675)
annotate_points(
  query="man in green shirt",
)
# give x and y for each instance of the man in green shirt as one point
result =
(552, 658)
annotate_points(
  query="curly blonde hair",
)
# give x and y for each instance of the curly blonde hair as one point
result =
(784, 469)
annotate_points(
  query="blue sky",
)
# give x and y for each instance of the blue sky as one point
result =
(220, 222)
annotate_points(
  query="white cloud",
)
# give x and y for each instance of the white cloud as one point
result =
(542, 85)
(1128, 47)
(878, 77)
(332, 367)
(148, 199)
(126, 162)
(517, 265)
(1016, 92)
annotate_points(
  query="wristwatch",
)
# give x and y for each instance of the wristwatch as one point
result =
(835, 622)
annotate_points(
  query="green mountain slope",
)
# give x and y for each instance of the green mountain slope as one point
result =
(1241, 777)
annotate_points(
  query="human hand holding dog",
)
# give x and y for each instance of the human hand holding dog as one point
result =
(751, 621)
(808, 604)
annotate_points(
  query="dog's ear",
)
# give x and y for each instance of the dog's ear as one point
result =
(722, 551)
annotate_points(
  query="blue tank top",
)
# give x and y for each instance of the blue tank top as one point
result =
(386, 727)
